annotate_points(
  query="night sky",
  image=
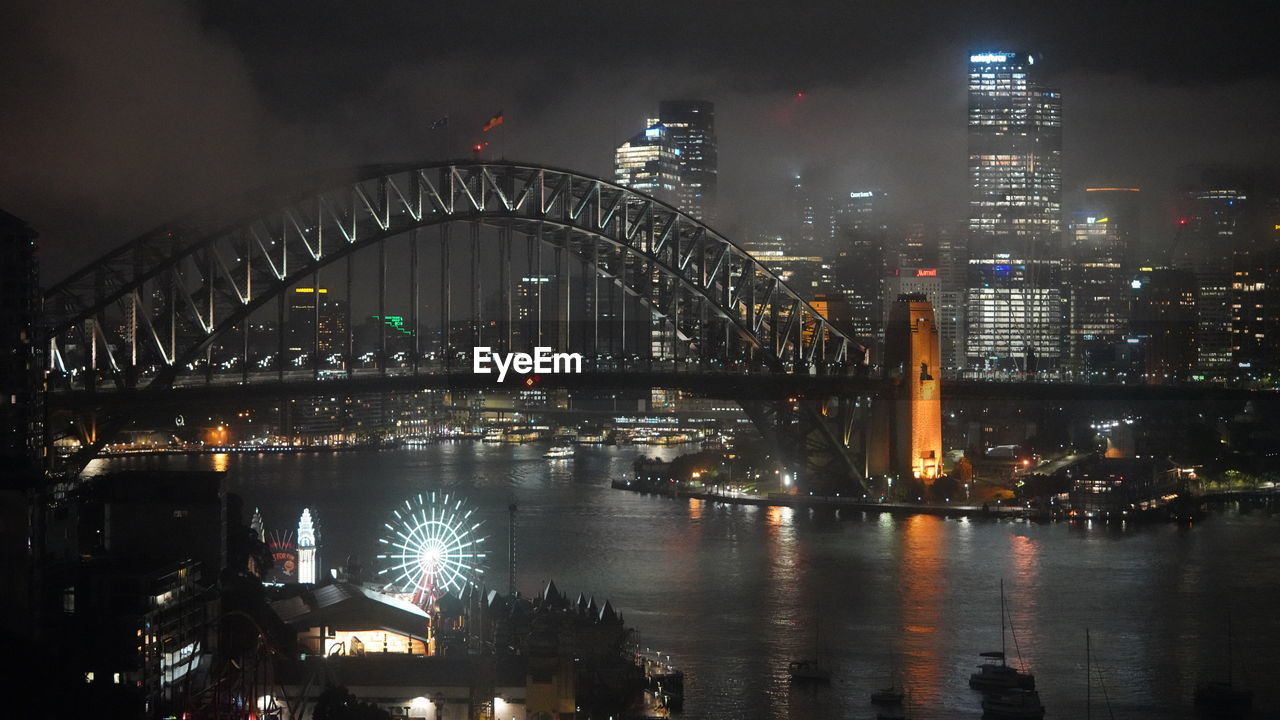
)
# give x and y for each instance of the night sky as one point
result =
(116, 117)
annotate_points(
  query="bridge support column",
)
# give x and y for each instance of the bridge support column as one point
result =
(913, 360)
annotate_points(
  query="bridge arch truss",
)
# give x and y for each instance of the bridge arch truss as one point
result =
(148, 314)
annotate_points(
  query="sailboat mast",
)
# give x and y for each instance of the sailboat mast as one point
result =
(1002, 648)
(1230, 655)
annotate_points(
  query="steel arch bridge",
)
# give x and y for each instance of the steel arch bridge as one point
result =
(163, 310)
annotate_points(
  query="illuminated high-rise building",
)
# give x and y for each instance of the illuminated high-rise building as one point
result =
(1255, 292)
(861, 236)
(1013, 310)
(948, 307)
(316, 321)
(1015, 208)
(1100, 252)
(308, 546)
(1212, 228)
(805, 274)
(692, 126)
(802, 232)
(650, 163)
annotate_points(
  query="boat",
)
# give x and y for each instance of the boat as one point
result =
(896, 710)
(817, 669)
(559, 451)
(1013, 705)
(995, 674)
(1223, 698)
(1000, 676)
(493, 435)
(809, 671)
(891, 695)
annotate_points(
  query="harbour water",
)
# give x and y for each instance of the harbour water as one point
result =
(733, 593)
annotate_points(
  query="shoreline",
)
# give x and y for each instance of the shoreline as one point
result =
(839, 503)
(991, 512)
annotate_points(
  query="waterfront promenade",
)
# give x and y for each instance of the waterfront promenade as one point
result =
(990, 510)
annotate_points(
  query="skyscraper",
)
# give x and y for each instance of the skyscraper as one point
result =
(861, 236)
(650, 163)
(1101, 252)
(316, 321)
(1165, 323)
(692, 125)
(1212, 227)
(948, 307)
(1015, 207)
(1255, 292)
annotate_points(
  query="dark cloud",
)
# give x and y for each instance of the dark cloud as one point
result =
(118, 117)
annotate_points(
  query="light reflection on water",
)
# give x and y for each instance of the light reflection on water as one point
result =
(734, 592)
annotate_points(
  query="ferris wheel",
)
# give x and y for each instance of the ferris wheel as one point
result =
(431, 547)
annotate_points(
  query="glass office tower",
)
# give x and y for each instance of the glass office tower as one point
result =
(650, 163)
(1015, 215)
(692, 124)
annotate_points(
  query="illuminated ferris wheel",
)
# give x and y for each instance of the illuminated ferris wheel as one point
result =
(431, 547)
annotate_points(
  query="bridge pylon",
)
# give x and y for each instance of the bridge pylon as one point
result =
(907, 442)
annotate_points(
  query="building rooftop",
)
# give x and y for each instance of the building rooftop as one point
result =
(410, 671)
(347, 606)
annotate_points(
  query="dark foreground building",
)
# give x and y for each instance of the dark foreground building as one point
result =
(21, 440)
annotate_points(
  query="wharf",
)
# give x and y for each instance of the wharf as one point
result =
(839, 503)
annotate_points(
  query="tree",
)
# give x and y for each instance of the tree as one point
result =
(337, 703)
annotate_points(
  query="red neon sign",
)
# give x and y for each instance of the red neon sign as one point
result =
(927, 272)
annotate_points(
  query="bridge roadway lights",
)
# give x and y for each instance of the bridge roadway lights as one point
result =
(813, 421)
(162, 310)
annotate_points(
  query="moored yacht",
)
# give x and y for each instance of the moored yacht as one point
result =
(891, 695)
(809, 671)
(1224, 698)
(995, 674)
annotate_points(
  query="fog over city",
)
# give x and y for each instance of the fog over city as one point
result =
(120, 117)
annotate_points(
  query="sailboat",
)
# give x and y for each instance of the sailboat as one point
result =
(995, 674)
(895, 711)
(1224, 698)
(892, 694)
(1088, 680)
(814, 670)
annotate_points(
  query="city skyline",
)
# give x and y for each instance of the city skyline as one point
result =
(127, 158)
(810, 344)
